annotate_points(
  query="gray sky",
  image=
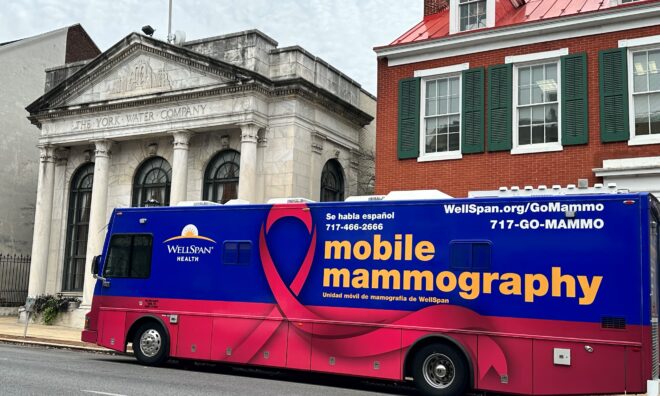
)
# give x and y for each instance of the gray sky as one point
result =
(342, 32)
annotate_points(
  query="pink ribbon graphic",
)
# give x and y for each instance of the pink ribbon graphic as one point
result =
(352, 341)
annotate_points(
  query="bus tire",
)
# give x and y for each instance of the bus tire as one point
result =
(440, 370)
(151, 344)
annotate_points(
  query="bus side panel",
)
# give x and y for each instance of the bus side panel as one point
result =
(505, 364)
(362, 356)
(600, 371)
(299, 345)
(194, 339)
(635, 382)
(245, 340)
(111, 329)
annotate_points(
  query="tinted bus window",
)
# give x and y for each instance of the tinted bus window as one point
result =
(237, 252)
(129, 256)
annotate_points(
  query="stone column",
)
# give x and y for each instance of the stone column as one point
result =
(98, 213)
(179, 191)
(42, 220)
(247, 181)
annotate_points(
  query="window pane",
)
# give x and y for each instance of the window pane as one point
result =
(655, 123)
(641, 114)
(454, 139)
(551, 113)
(442, 88)
(538, 114)
(453, 105)
(454, 124)
(524, 76)
(431, 125)
(537, 134)
(230, 255)
(430, 143)
(443, 105)
(524, 116)
(524, 135)
(654, 103)
(431, 89)
(453, 90)
(442, 143)
(523, 95)
(431, 107)
(442, 125)
(551, 133)
(654, 71)
(639, 70)
(119, 255)
(537, 94)
(141, 256)
(244, 253)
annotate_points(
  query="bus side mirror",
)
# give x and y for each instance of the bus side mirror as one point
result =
(95, 265)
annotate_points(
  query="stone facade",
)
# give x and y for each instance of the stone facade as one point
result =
(285, 111)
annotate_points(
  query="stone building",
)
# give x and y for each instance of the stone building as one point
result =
(151, 123)
(23, 63)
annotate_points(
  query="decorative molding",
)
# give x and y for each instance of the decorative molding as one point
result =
(442, 70)
(61, 155)
(181, 139)
(318, 140)
(46, 153)
(102, 148)
(88, 154)
(249, 133)
(224, 142)
(354, 160)
(262, 138)
(536, 56)
(152, 149)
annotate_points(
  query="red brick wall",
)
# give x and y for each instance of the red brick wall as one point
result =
(433, 6)
(79, 46)
(488, 171)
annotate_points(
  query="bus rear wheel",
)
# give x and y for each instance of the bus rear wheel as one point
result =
(151, 344)
(440, 370)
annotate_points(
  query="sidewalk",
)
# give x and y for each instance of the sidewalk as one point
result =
(40, 334)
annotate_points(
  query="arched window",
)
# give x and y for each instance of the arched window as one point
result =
(151, 185)
(221, 177)
(332, 182)
(80, 198)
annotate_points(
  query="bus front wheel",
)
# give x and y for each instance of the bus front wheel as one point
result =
(440, 370)
(151, 344)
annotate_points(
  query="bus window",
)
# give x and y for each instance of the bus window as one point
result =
(237, 252)
(129, 256)
(469, 255)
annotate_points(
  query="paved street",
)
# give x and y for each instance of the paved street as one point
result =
(41, 371)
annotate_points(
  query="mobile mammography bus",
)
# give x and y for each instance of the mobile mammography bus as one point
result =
(527, 295)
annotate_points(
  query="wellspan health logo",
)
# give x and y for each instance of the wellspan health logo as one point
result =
(189, 246)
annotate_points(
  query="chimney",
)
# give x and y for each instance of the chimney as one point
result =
(434, 6)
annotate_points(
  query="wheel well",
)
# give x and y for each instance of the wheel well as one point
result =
(436, 339)
(136, 325)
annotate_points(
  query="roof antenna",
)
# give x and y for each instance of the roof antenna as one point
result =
(170, 38)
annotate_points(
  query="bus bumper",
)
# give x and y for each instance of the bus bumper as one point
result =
(89, 336)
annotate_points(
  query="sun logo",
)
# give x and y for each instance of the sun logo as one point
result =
(189, 232)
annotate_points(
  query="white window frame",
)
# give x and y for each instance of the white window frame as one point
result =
(432, 74)
(455, 17)
(527, 60)
(635, 45)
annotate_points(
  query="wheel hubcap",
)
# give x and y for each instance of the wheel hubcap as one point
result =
(150, 343)
(439, 370)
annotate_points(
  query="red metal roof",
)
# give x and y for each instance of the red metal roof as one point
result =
(437, 25)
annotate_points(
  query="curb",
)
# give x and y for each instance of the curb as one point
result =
(53, 344)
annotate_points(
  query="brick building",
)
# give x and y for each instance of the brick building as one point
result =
(489, 93)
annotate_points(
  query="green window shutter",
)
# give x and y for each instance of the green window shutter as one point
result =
(472, 123)
(499, 107)
(574, 99)
(614, 122)
(409, 114)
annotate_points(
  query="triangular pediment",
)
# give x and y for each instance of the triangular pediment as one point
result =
(144, 74)
(139, 67)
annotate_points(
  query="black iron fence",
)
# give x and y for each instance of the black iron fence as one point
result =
(14, 276)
